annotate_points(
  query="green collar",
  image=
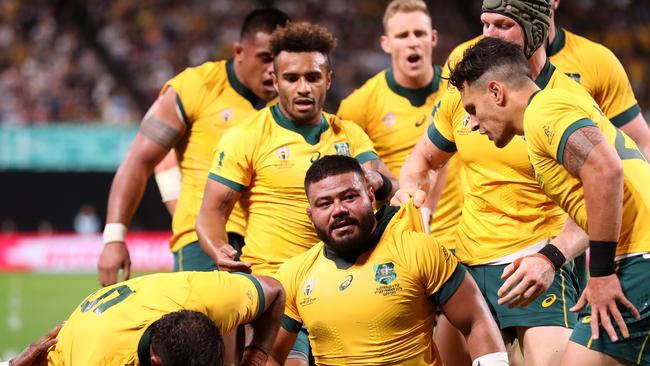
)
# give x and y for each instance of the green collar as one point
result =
(241, 89)
(530, 99)
(545, 75)
(558, 43)
(383, 217)
(417, 97)
(311, 133)
(143, 348)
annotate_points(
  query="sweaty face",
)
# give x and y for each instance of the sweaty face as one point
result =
(256, 63)
(302, 80)
(410, 40)
(486, 116)
(502, 27)
(341, 211)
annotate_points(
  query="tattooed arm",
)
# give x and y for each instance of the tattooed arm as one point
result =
(588, 156)
(218, 201)
(160, 130)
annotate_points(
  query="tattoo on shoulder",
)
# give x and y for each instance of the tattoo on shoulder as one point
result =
(160, 132)
(579, 146)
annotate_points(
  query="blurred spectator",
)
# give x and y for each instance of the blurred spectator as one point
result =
(49, 70)
(8, 227)
(45, 228)
(86, 220)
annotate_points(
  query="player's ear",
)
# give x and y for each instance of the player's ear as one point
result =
(309, 212)
(154, 358)
(237, 50)
(328, 75)
(385, 43)
(496, 90)
(371, 194)
(434, 38)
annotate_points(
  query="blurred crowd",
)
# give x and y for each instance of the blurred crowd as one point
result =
(105, 60)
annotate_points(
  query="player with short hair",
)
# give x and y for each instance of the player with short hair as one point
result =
(506, 216)
(595, 172)
(264, 160)
(394, 106)
(192, 112)
(171, 319)
(368, 292)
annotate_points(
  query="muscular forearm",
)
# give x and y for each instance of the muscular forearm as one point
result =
(483, 338)
(572, 240)
(211, 230)
(126, 190)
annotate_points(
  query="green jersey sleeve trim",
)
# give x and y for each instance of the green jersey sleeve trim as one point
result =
(565, 136)
(450, 286)
(439, 140)
(260, 293)
(234, 185)
(623, 118)
(366, 156)
(291, 325)
(143, 348)
(186, 120)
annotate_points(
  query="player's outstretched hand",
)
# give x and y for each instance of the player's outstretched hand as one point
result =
(115, 256)
(602, 293)
(525, 279)
(36, 353)
(226, 260)
(403, 195)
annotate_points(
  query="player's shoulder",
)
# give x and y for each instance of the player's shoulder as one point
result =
(587, 48)
(341, 125)
(373, 85)
(209, 75)
(300, 265)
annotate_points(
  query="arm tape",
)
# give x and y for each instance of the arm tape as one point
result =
(169, 184)
(114, 232)
(601, 258)
(492, 359)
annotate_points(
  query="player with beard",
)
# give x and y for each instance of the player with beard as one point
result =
(368, 292)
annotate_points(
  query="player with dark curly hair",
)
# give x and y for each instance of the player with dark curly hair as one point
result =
(263, 161)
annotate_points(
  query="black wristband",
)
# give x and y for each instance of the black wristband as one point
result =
(383, 192)
(553, 254)
(601, 258)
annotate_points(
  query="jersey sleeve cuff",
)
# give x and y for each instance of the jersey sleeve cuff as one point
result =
(626, 116)
(181, 110)
(291, 325)
(565, 136)
(439, 140)
(366, 156)
(234, 185)
(450, 286)
(260, 293)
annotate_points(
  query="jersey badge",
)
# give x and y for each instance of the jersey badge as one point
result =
(308, 288)
(384, 273)
(421, 121)
(464, 128)
(226, 114)
(389, 119)
(549, 134)
(283, 152)
(342, 148)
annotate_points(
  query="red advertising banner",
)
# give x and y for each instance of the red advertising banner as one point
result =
(149, 251)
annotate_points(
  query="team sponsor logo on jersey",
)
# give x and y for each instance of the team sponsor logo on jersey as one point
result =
(283, 152)
(385, 273)
(346, 283)
(315, 157)
(435, 109)
(222, 155)
(464, 127)
(549, 300)
(420, 122)
(389, 119)
(342, 148)
(226, 114)
(549, 133)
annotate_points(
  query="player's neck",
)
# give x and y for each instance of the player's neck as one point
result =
(312, 122)
(537, 62)
(521, 99)
(418, 81)
(551, 31)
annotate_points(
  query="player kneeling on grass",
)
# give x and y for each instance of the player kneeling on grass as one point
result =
(368, 293)
(171, 319)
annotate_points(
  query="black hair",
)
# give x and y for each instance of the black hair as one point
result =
(302, 37)
(490, 54)
(331, 165)
(264, 20)
(187, 338)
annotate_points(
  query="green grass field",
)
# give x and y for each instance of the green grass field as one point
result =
(31, 304)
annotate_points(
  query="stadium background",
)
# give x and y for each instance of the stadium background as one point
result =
(76, 76)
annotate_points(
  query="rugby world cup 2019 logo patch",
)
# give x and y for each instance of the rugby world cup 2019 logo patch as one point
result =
(385, 273)
(342, 148)
(283, 152)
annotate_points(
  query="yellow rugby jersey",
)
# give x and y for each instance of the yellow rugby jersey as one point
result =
(110, 327)
(380, 309)
(395, 118)
(596, 68)
(266, 159)
(210, 100)
(551, 117)
(504, 209)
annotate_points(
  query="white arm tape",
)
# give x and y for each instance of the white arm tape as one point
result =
(492, 359)
(169, 184)
(6, 363)
(114, 231)
(426, 219)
